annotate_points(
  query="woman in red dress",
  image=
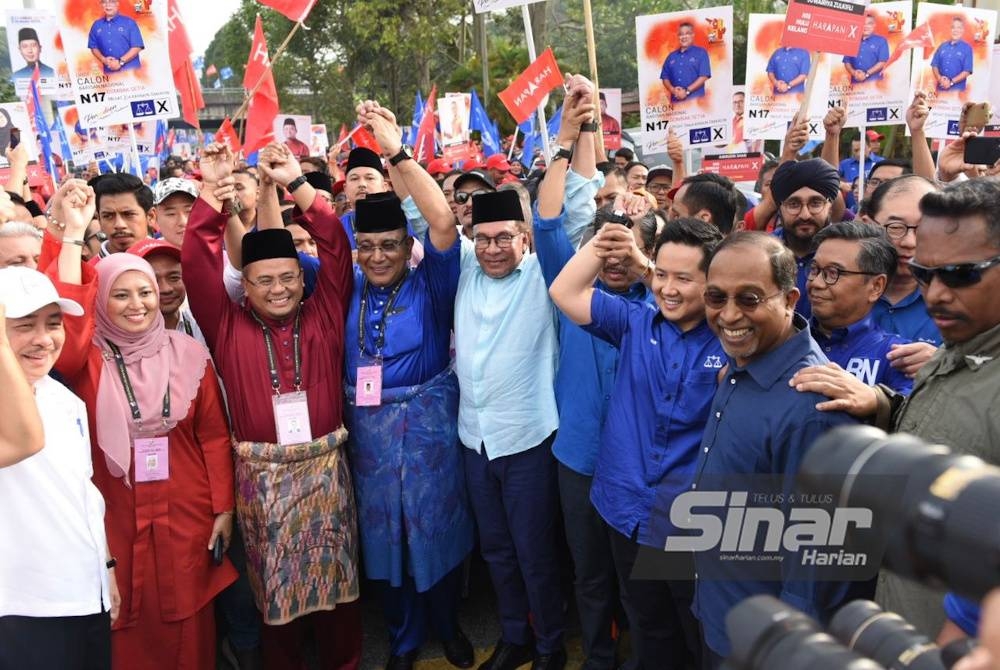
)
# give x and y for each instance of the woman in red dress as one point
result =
(162, 455)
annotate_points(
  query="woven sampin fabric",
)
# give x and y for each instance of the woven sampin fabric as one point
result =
(297, 512)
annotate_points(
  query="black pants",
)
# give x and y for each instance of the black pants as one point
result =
(664, 632)
(63, 643)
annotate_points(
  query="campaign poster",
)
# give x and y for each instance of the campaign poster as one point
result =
(611, 117)
(873, 90)
(956, 69)
(685, 62)
(738, 142)
(117, 139)
(740, 167)
(776, 82)
(33, 41)
(453, 118)
(14, 121)
(82, 147)
(995, 90)
(320, 139)
(295, 132)
(119, 63)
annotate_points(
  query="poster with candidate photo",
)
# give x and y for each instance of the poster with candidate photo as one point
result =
(34, 43)
(118, 60)
(453, 119)
(82, 146)
(957, 67)
(320, 139)
(995, 90)
(295, 132)
(685, 62)
(776, 82)
(14, 122)
(611, 117)
(875, 90)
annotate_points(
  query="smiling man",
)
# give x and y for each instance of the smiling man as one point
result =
(687, 68)
(124, 209)
(115, 40)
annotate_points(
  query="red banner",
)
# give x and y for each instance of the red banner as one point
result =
(264, 103)
(295, 10)
(423, 149)
(830, 26)
(738, 167)
(227, 135)
(524, 95)
(185, 78)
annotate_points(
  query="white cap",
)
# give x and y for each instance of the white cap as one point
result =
(167, 187)
(24, 291)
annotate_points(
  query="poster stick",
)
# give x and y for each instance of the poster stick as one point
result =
(513, 143)
(861, 166)
(270, 66)
(135, 151)
(532, 56)
(345, 140)
(588, 24)
(810, 81)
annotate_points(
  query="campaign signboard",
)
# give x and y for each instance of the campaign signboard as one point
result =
(611, 117)
(320, 140)
(830, 26)
(453, 117)
(995, 90)
(776, 82)
(33, 42)
(493, 5)
(737, 166)
(955, 66)
(295, 132)
(874, 90)
(81, 144)
(685, 62)
(118, 60)
(13, 120)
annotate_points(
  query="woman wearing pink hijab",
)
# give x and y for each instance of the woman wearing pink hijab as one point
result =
(162, 455)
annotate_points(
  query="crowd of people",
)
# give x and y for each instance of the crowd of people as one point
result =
(241, 392)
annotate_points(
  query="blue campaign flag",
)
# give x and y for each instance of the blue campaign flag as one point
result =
(199, 63)
(226, 72)
(42, 128)
(480, 120)
(533, 139)
(57, 126)
(217, 83)
(410, 137)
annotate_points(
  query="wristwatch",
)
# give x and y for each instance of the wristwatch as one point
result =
(562, 152)
(295, 183)
(589, 127)
(111, 562)
(405, 154)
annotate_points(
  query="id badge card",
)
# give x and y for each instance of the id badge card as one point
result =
(152, 459)
(291, 418)
(369, 388)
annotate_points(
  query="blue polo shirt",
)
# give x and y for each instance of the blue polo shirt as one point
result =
(28, 71)
(787, 64)
(951, 59)
(758, 424)
(115, 38)
(649, 444)
(849, 168)
(801, 277)
(908, 318)
(683, 66)
(861, 349)
(417, 330)
(873, 50)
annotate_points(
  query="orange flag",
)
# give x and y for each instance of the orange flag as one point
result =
(526, 92)
(227, 135)
(423, 149)
(921, 36)
(264, 103)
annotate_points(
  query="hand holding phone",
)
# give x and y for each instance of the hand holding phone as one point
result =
(982, 151)
(217, 551)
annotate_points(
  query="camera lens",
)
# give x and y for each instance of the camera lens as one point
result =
(884, 637)
(945, 514)
(765, 633)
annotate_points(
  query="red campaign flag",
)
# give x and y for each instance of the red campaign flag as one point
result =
(185, 79)
(921, 36)
(342, 136)
(363, 138)
(227, 135)
(423, 148)
(264, 103)
(210, 70)
(524, 95)
(295, 10)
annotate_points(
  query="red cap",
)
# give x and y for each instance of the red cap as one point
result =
(498, 162)
(338, 186)
(148, 246)
(509, 179)
(439, 166)
(874, 136)
(472, 164)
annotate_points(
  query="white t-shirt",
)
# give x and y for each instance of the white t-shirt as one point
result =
(52, 540)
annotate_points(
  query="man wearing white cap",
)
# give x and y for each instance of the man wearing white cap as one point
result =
(57, 589)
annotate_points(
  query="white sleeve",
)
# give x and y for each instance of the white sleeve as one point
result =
(232, 279)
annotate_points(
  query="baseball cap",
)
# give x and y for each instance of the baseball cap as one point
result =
(498, 162)
(148, 246)
(471, 165)
(167, 187)
(874, 136)
(661, 170)
(24, 291)
(474, 175)
(439, 166)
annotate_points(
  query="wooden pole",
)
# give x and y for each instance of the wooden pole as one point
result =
(588, 24)
(810, 82)
(532, 56)
(260, 82)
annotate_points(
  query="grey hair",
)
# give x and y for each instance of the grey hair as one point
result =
(19, 229)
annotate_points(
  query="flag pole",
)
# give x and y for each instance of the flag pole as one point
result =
(588, 24)
(862, 159)
(513, 143)
(270, 65)
(135, 151)
(532, 56)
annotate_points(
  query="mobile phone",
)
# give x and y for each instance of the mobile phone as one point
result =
(15, 137)
(982, 150)
(217, 551)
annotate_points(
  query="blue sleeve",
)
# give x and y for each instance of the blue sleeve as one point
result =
(135, 36)
(894, 378)
(418, 224)
(883, 50)
(665, 70)
(936, 59)
(850, 60)
(310, 272)
(966, 58)
(578, 201)
(347, 221)
(704, 66)
(442, 270)
(609, 316)
(803, 62)
(552, 245)
(770, 63)
(92, 42)
(963, 613)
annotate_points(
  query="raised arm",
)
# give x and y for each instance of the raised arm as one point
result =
(577, 108)
(21, 432)
(916, 116)
(833, 124)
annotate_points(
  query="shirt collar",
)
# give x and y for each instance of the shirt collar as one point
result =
(768, 368)
(847, 333)
(905, 302)
(978, 351)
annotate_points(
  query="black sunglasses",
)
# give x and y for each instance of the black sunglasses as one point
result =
(957, 275)
(463, 197)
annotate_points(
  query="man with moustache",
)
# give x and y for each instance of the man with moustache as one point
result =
(872, 56)
(124, 209)
(364, 175)
(687, 68)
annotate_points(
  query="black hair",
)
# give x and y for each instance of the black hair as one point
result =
(784, 269)
(895, 185)
(764, 169)
(116, 183)
(714, 193)
(625, 153)
(876, 255)
(906, 166)
(966, 199)
(691, 232)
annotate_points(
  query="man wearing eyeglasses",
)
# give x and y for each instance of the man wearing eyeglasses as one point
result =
(472, 183)
(954, 399)
(805, 192)
(758, 424)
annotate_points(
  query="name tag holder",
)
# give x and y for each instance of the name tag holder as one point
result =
(291, 410)
(151, 454)
(368, 391)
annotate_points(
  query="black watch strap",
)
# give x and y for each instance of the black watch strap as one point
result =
(589, 127)
(295, 183)
(562, 153)
(404, 153)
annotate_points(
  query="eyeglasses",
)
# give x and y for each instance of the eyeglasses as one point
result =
(897, 230)
(873, 182)
(814, 205)
(463, 197)
(386, 246)
(503, 240)
(658, 188)
(746, 302)
(956, 275)
(831, 273)
(288, 279)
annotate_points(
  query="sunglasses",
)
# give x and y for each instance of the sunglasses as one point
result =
(463, 197)
(746, 302)
(957, 275)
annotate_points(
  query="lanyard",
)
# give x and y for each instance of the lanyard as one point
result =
(133, 404)
(380, 337)
(187, 326)
(272, 364)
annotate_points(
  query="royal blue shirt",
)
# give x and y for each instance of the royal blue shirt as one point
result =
(849, 168)
(683, 66)
(801, 277)
(908, 318)
(873, 50)
(951, 59)
(787, 64)
(963, 613)
(28, 71)
(418, 327)
(861, 349)
(114, 38)
(665, 383)
(758, 424)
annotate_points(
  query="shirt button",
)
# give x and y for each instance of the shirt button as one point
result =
(670, 397)
(827, 349)
(694, 486)
(706, 450)
(718, 415)
(732, 380)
